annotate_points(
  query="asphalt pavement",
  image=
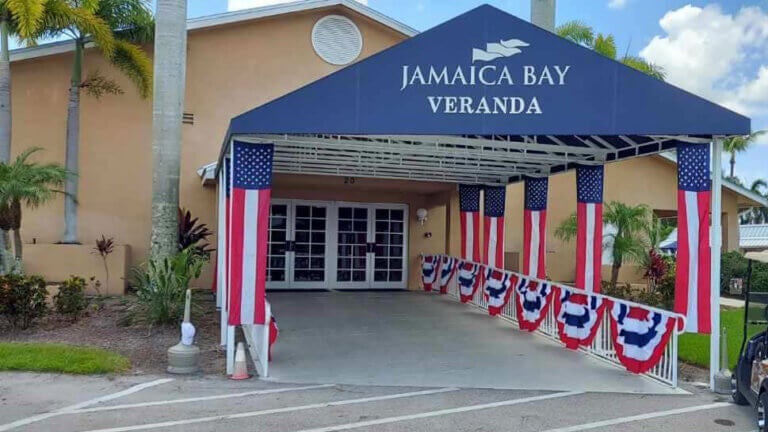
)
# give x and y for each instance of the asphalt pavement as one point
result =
(40, 402)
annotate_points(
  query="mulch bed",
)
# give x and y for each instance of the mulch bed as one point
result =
(145, 347)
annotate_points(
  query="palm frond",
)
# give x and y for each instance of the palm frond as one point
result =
(578, 32)
(566, 231)
(648, 68)
(130, 20)
(135, 64)
(27, 16)
(605, 45)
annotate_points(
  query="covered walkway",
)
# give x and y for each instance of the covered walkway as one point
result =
(401, 338)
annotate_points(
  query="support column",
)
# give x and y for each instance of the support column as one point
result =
(221, 252)
(543, 14)
(717, 241)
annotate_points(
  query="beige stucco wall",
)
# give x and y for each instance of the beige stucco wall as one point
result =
(230, 69)
(57, 262)
(648, 180)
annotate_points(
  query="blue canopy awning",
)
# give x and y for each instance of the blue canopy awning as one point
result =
(489, 82)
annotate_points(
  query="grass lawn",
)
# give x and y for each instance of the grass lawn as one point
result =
(694, 348)
(46, 357)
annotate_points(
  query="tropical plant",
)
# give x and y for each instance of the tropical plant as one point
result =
(20, 19)
(162, 284)
(104, 247)
(656, 231)
(624, 240)
(170, 56)
(70, 300)
(22, 299)
(583, 34)
(756, 215)
(193, 234)
(24, 182)
(116, 28)
(738, 144)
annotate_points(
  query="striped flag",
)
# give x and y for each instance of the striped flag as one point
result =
(493, 226)
(589, 231)
(249, 220)
(469, 208)
(692, 287)
(535, 227)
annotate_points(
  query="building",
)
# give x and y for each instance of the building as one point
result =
(324, 226)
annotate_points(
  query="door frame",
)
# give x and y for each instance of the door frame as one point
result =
(331, 246)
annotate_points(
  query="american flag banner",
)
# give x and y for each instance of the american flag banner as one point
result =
(468, 279)
(578, 317)
(249, 221)
(534, 227)
(493, 225)
(533, 301)
(429, 271)
(447, 269)
(497, 289)
(589, 231)
(692, 286)
(469, 208)
(639, 335)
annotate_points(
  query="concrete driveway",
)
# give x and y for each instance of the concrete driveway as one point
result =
(417, 339)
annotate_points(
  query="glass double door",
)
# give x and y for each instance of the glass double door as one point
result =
(317, 244)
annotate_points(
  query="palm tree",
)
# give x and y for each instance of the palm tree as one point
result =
(582, 34)
(24, 182)
(738, 144)
(116, 28)
(170, 70)
(757, 215)
(19, 18)
(626, 240)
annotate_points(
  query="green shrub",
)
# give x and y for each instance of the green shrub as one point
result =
(162, 284)
(22, 299)
(71, 297)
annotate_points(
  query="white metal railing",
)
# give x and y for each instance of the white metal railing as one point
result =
(602, 348)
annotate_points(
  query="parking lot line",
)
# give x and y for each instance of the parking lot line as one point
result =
(105, 398)
(171, 423)
(198, 399)
(640, 417)
(437, 413)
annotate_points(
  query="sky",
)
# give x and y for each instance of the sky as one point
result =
(717, 49)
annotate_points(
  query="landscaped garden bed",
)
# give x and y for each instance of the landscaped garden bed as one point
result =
(103, 325)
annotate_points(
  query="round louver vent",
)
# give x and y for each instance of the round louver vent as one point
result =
(337, 40)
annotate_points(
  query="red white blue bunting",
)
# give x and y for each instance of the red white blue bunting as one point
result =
(469, 280)
(640, 335)
(428, 271)
(447, 269)
(497, 289)
(578, 317)
(533, 301)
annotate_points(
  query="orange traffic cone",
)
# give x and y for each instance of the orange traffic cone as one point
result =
(241, 365)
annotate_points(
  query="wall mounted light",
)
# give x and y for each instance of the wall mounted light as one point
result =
(421, 215)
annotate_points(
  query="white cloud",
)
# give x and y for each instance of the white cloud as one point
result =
(233, 5)
(719, 56)
(617, 4)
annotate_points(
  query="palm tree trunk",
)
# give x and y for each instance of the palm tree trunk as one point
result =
(168, 104)
(5, 94)
(733, 163)
(615, 274)
(7, 254)
(17, 247)
(73, 146)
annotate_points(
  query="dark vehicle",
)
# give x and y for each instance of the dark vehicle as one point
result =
(750, 380)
